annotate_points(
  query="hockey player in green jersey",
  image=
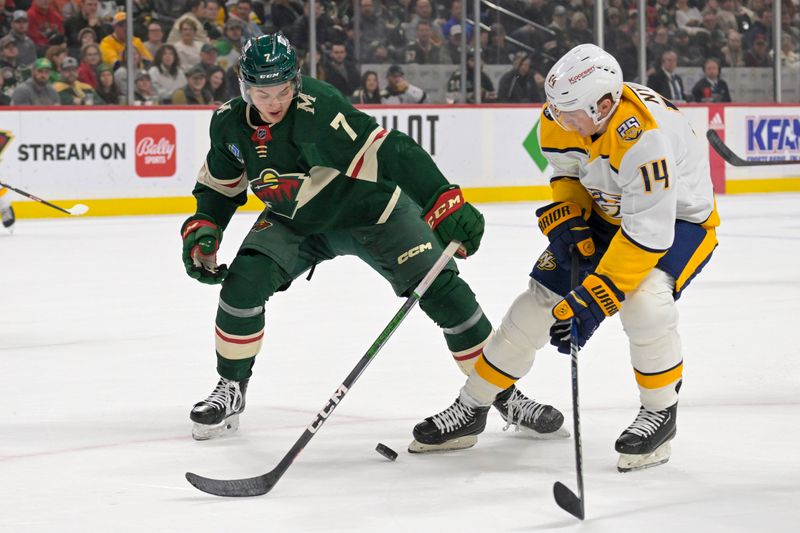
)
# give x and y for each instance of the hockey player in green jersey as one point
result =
(334, 183)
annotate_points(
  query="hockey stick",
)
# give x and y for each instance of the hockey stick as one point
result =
(565, 498)
(75, 210)
(256, 486)
(727, 154)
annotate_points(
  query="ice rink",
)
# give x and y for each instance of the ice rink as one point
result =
(105, 344)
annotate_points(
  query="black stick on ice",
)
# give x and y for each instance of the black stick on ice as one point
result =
(256, 486)
(75, 210)
(565, 498)
(727, 154)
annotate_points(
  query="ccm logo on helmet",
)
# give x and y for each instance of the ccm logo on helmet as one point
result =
(578, 77)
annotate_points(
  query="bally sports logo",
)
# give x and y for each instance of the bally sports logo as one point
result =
(155, 150)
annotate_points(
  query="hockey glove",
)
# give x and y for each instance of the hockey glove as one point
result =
(451, 218)
(590, 303)
(563, 224)
(201, 238)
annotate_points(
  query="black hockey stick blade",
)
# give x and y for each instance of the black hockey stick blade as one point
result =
(253, 486)
(732, 159)
(567, 500)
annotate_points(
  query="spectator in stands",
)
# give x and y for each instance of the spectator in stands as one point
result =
(689, 54)
(6, 16)
(166, 74)
(423, 50)
(499, 52)
(518, 86)
(217, 85)
(87, 17)
(37, 90)
(789, 57)
(373, 25)
(113, 45)
(56, 55)
(660, 14)
(711, 88)
(106, 86)
(538, 11)
(688, 18)
(453, 87)
(579, 31)
(452, 50)
(9, 66)
(285, 13)
(45, 21)
(195, 91)
(90, 60)
(5, 99)
(244, 12)
(19, 31)
(341, 72)
(155, 37)
(230, 46)
(716, 37)
(423, 11)
(761, 27)
(455, 20)
(657, 47)
(665, 80)
(197, 13)
(121, 71)
(208, 58)
(324, 26)
(758, 55)
(726, 16)
(87, 36)
(369, 92)
(792, 30)
(210, 25)
(732, 53)
(72, 91)
(143, 92)
(188, 47)
(398, 90)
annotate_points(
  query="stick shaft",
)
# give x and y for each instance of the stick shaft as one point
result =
(33, 197)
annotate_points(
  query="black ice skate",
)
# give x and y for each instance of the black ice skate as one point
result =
(219, 413)
(8, 218)
(645, 443)
(455, 428)
(537, 419)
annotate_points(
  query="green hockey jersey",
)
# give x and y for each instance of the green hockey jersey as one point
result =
(324, 166)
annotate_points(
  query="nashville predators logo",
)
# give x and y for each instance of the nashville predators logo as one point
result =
(547, 261)
(609, 203)
(5, 138)
(630, 130)
(278, 192)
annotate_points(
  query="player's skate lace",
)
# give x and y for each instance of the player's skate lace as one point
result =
(647, 422)
(226, 395)
(521, 408)
(452, 417)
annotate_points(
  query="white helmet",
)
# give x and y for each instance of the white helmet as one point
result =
(580, 79)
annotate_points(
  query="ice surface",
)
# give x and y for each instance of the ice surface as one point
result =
(105, 344)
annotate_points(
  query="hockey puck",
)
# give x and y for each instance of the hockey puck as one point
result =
(386, 451)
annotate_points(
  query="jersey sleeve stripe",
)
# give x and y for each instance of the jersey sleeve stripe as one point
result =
(228, 187)
(364, 165)
(390, 206)
(564, 150)
(642, 246)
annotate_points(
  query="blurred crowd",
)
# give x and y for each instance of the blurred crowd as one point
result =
(72, 52)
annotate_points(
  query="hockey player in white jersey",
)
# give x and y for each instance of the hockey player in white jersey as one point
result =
(632, 194)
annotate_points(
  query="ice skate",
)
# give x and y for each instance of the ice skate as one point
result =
(8, 217)
(455, 428)
(645, 443)
(538, 420)
(218, 414)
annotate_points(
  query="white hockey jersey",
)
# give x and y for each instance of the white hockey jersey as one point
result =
(647, 170)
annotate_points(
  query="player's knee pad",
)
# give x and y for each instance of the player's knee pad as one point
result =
(524, 329)
(252, 279)
(650, 319)
(452, 305)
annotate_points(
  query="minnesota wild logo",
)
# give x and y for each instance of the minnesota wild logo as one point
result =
(278, 192)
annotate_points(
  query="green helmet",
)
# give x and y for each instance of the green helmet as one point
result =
(268, 60)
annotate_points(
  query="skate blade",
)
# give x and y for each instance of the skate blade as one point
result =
(632, 463)
(213, 431)
(460, 443)
(560, 433)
